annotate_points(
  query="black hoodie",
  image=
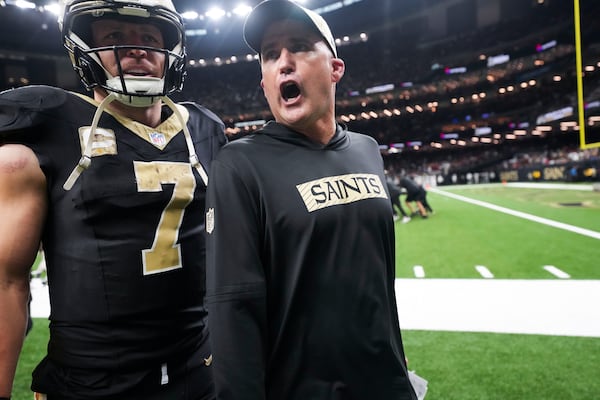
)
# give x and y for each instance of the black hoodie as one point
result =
(300, 270)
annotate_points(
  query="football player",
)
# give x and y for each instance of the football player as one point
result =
(114, 186)
(415, 193)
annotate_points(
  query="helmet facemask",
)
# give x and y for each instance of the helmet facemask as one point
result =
(131, 90)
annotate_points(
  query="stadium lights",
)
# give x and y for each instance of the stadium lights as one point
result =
(569, 124)
(190, 15)
(52, 8)
(215, 13)
(24, 4)
(242, 10)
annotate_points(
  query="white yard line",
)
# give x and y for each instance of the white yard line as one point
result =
(556, 272)
(484, 272)
(545, 221)
(419, 271)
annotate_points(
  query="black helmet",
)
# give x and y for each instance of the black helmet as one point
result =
(75, 24)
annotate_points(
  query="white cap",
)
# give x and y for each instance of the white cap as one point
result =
(270, 11)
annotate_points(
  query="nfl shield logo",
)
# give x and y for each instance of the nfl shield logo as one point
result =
(158, 138)
(210, 220)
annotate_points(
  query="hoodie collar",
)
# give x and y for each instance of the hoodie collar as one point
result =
(281, 132)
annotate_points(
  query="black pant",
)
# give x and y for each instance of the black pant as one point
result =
(188, 379)
(396, 202)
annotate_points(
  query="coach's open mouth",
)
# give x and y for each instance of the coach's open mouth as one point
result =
(289, 91)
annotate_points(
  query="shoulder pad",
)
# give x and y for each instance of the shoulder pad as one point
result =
(195, 108)
(28, 106)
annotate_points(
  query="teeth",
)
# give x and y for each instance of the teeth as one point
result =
(136, 72)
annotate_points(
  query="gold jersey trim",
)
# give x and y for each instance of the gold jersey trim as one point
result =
(166, 131)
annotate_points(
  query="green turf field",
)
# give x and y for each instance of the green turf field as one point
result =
(460, 235)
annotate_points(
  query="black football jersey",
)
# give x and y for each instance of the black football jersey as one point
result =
(124, 247)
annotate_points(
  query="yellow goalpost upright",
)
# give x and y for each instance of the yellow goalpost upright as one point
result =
(584, 144)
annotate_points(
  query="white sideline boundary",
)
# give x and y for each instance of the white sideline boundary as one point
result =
(550, 185)
(545, 221)
(546, 307)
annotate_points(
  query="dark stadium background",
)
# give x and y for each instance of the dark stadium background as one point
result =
(421, 81)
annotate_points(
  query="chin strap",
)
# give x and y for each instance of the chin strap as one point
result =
(188, 140)
(86, 157)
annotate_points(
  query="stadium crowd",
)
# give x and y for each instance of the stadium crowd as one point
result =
(422, 99)
(431, 101)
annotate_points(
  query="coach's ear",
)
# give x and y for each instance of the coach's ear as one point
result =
(338, 68)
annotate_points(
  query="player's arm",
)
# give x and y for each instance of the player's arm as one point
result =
(22, 212)
(236, 293)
